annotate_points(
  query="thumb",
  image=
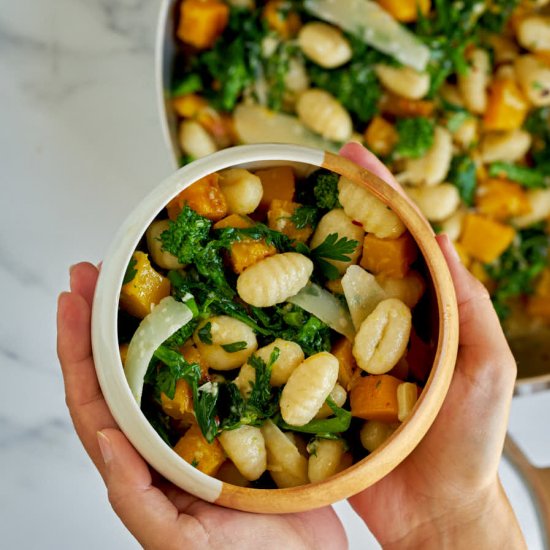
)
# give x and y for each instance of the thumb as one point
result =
(143, 508)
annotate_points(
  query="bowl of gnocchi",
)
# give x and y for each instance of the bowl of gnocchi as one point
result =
(274, 328)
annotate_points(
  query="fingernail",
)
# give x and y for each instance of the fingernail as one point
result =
(105, 447)
(446, 242)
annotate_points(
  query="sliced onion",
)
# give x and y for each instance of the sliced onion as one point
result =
(256, 124)
(362, 292)
(375, 26)
(326, 307)
(167, 317)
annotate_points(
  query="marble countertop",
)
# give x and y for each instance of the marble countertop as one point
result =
(80, 145)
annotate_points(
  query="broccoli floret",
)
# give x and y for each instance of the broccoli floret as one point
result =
(321, 190)
(186, 235)
(416, 136)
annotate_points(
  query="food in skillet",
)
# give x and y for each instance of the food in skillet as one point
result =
(453, 96)
(274, 328)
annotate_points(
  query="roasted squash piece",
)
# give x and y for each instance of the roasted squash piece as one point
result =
(539, 306)
(381, 136)
(279, 218)
(193, 448)
(145, 290)
(180, 406)
(342, 350)
(247, 252)
(506, 107)
(202, 22)
(374, 397)
(390, 257)
(501, 199)
(204, 197)
(278, 183)
(406, 11)
(485, 239)
(286, 24)
(189, 105)
(398, 106)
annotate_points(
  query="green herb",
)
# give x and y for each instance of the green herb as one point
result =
(189, 84)
(186, 159)
(185, 235)
(262, 402)
(416, 136)
(130, 272)
(462, 174)
(194, 463)
(205, 397)
(339, 423)
(334, 249)
(355, 85)
(528, 177)
(234, 347)
(538, 125)
(305, 216)
(325, 190)
(205, 333)
(276, 68)
(517, 268)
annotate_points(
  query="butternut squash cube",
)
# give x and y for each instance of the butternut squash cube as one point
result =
(279, 215)
(189, 105)
(406, 11)
(145, 290)
(462, 254)
(381, 136)
(507, 106)
(501, 199)
(205, 197)
(286, 24)
(342, 350)
(485, 239)
(180, 406)
(202, 22)
(390, 257)
(374, 397)
(247, 252)
(193, 448)
(278, 183)
(192, 355)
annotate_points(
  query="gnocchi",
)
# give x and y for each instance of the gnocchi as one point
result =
(307, 388)
(245, 446)
(325, 459)
(404, 81)
(324, 45)
(274, 279)
(322, 113)
(374, 433)
(216, 332)
(436, 203)
(195, 141)
(505, 146)
(161, 257)
(242, 190)
(473, 84)
(370, 212)
(533, 76)
(534, 33)
(383, 337)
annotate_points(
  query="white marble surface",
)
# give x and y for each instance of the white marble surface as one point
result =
(80, 144)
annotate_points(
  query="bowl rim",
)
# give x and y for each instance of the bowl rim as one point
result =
(146, 440)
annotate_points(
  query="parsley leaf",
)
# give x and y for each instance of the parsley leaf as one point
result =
(234, 346)
(528, 177)
(416, 136)
(333, 248)
(304, 216)
(205, 333)
(462, 174)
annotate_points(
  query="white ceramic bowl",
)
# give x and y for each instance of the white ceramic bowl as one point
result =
(143, 436)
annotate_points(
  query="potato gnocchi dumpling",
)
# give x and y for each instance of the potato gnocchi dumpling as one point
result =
(257, 382)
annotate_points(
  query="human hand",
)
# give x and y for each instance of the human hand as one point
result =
(156, 512)
(447, 491)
